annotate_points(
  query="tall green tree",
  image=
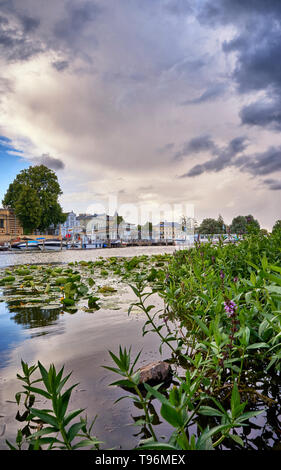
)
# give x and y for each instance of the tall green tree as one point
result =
(28, 209)
(33, 195)
(244, 224)
(277, 226)
(238, 224)
(209, 226)
(221, 224)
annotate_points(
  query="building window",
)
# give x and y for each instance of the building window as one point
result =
(1, 223)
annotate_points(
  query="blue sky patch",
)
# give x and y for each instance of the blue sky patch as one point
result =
(11, 163)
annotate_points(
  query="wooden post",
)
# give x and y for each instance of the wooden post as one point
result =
(107, 227)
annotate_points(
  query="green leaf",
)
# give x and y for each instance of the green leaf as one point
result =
(124, 383)
(235, 399)
(47, 440)
(42, 432)
(275, 268)
(258, 346)
(45, 377)
(248, 415)
(157, 394)
(209, 411)
(39, 391)
(274, 289)
(62, 383)
(10, 445)
(72, 415)
(45, 417)
(264, 263)
(17, 397)
(157, 446)
(237, 439)
(86, 443)
(204, 442)
(172, 416)
(64, 400)
(213, 431)
(73, 431)
(202, 325)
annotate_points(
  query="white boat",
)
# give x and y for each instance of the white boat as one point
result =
(25, 245)
(51, 244)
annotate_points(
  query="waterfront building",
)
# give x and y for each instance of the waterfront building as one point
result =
(83, 220)
(70, 226)
(106, 227)
(168, 231)
(9, 224)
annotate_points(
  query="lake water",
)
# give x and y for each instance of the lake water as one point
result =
(9, 258)
(81, 342)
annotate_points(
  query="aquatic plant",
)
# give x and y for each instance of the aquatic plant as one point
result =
(48, 429)
(179, 407)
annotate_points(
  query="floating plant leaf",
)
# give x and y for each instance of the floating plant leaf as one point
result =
(92, 302)
(107, 290)
(68, 302)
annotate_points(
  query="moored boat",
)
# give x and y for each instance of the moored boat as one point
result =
(25, 245)
(51, 244)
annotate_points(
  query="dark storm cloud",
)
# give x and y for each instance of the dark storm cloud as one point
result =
(263, 163)
(167, 147)
(263, 113)
(178, 7)
(259, 164)
(222, 157)
(199, 144)
(77, 17)
(24, 33)
(29, 24)
(230, 11)
(256, 45)
(258, 59)
(272, 184)
(60, 65)
(210, 94)
(50, 162)
(15, 44)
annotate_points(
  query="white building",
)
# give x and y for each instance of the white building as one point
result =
(105, 227)
(70, 227)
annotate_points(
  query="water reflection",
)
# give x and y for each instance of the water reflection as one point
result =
(35, 317)
(11, 334)
(14, 321)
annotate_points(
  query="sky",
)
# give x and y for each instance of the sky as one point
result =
(150, 102)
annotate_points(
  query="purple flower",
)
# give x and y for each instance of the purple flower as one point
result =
(235, 279)
(222, 274)
(230, 307)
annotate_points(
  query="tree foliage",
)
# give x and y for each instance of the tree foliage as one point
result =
(33, 195)
(211, 226)
(244, 224)
(28, 209)
(277, 226)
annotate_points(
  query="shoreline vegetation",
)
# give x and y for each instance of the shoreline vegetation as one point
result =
(221, 323)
